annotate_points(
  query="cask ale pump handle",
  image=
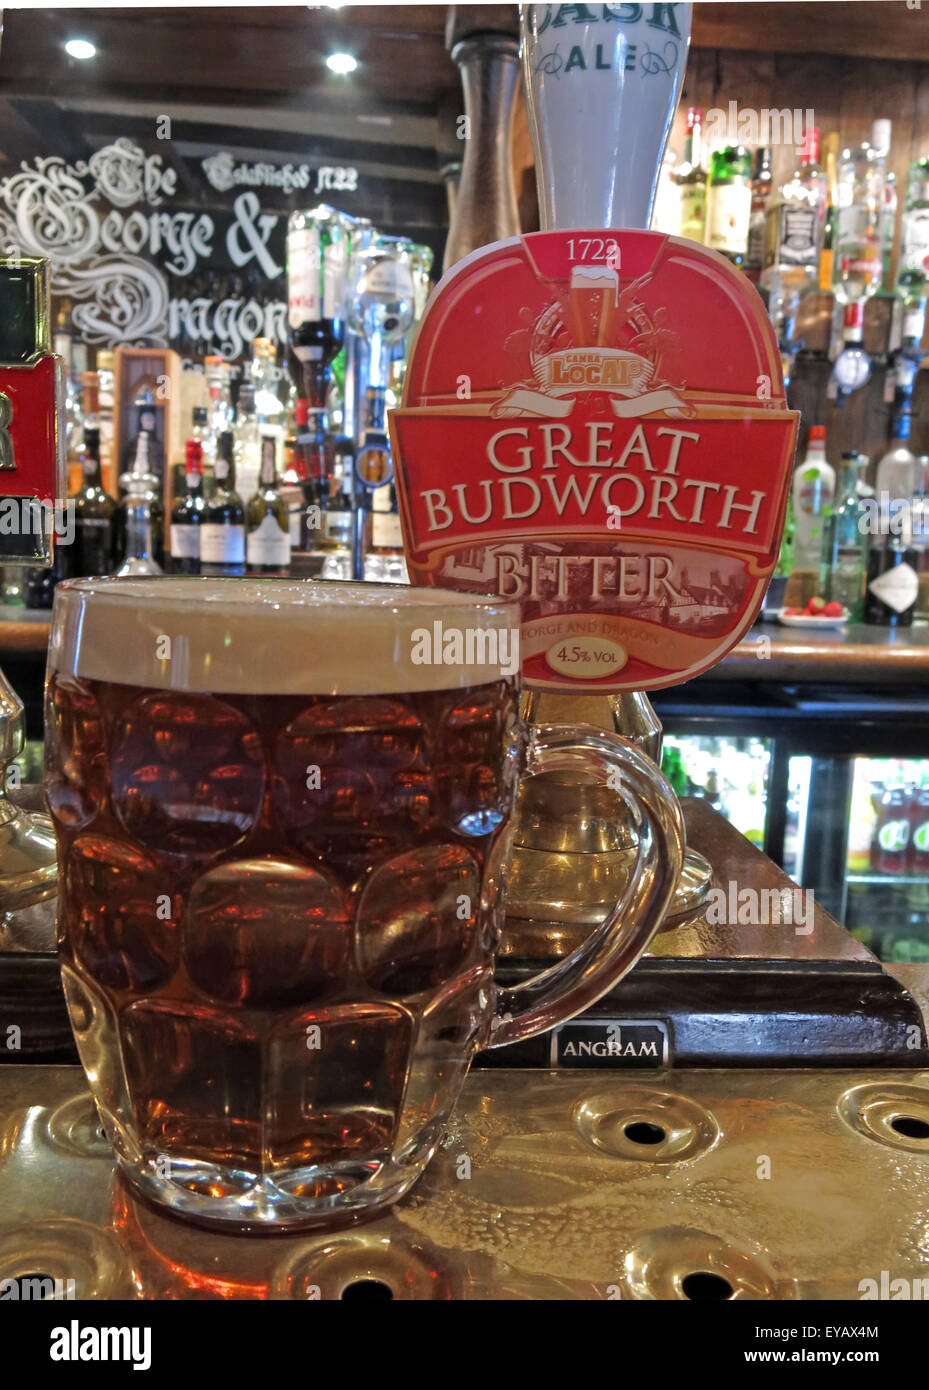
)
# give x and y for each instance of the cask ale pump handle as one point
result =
(602, 86)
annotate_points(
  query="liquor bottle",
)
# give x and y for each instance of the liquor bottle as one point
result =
(187, 514)
(247, 433)
(762, 186)
(222, 530)
(382, 305)
(896, 479)
(690, 180)
(842, 577)
(729, 202)
(220, 412)
(94, 548)
(334, 548)
(827, 256)
(887, 226)
(893, 580)
(857, 265)
(383, 543)
(106, 405)
(785, 558)
(318, 250)
(813, 491)
(295, 488)
(142, 517)
(270, 409)
(913, 264)
(267, 533)
(796, 219)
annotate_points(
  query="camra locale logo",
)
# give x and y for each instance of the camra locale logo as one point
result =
(596, 426)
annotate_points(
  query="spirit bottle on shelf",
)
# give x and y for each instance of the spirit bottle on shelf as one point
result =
(220, 412)
(334, 549)
(302, 493)
(893, 579)
(267, 524)
(690, 180)
(796, 219)
(187, 514)
(142, 517)
(845, 544)
(813, 492)
(887, 225)
(382, 308)
(222, 530)
(383, 539)
(913, 262)
(318, 248)
(729, 202)
(830, 155)
(857, 265)
(794, 237)
(106, 406)
(895, 482)
(762, 187)
(247, 434)
(94, 548)
(270, 410)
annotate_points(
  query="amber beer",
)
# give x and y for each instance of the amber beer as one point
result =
(280, 810)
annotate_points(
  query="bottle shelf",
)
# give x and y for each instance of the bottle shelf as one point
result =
(902, 879)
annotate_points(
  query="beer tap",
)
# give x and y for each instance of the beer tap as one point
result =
(484, 43)
(601, 99)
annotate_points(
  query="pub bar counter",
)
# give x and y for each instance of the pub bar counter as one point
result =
(252, 351)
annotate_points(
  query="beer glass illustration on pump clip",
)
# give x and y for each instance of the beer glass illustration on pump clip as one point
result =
(282, 812)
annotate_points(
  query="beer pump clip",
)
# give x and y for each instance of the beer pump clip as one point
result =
(32, 480)
(594, 423)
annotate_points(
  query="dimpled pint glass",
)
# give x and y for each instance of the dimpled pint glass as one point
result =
(281, 811)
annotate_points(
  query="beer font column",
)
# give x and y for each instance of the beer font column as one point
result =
(484, 42)
(594, 421)
(601, 98)
(32, 480)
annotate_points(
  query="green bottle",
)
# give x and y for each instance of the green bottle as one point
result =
(844, 563)
(729, 202)
(913, 264)
(785, 559)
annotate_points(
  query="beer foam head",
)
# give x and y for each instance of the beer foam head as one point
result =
(280, 637)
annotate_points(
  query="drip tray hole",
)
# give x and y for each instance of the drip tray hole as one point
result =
(369, 1290)
(642, 1132)
(910, 1127)
(704, 1287)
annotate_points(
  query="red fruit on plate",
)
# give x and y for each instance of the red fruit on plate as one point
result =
(833, 609)
(792, 612)
(816, 604)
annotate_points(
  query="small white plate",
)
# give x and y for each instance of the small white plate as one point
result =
(802, 620)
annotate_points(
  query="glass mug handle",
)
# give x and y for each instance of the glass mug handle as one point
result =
(612, 948)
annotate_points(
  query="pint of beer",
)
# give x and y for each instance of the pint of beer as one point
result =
(281, 811)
